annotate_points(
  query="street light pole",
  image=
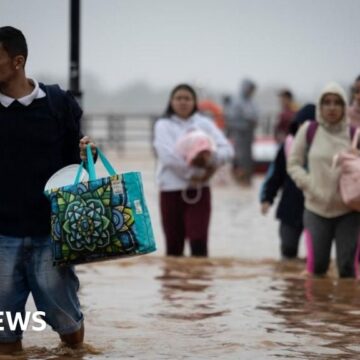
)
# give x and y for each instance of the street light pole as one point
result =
(75, 49)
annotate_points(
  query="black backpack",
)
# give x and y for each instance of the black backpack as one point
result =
(57, 101)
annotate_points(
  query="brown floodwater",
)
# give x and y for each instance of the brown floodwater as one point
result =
(240, 303)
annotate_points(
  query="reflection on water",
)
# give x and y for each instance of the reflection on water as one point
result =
(186, 290)
(324, 311)
(237, 307)
(189, 308)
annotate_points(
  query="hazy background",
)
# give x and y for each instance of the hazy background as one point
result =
(134, 51)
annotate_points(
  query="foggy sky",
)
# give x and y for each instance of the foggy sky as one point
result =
(299, 43)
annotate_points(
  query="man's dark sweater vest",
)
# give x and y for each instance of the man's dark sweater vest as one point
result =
(33, 145)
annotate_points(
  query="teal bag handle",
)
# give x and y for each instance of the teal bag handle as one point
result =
(105, 161)
(91, 166)
(78, 174)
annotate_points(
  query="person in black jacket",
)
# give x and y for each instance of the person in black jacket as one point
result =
(291, 205)
(34, 143)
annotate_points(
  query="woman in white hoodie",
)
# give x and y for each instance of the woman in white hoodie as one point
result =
(184, 189)
(326, 217)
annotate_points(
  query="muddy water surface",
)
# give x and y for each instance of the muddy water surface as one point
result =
(241, 303)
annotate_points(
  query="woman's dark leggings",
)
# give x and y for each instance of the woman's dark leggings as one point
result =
(289, 240)
(181, 220)
(319, 234)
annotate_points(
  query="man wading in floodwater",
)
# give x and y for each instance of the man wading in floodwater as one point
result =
(35, 142)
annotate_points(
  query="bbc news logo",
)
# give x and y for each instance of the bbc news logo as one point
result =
(23, 323)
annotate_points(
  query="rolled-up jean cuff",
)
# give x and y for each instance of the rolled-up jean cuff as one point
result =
(71, 329)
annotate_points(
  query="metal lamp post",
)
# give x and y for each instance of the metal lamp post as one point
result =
(75, 49)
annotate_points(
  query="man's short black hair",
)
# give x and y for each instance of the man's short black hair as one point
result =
(13, 41)
(286, 93)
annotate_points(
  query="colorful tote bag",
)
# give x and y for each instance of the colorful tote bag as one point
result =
(100, 219)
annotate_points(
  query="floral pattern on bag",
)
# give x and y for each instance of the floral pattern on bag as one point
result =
(90, 221)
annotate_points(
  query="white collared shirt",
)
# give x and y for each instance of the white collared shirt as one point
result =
(173, 173)
(26, 100)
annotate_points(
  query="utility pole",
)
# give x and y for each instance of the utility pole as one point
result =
(75, 49)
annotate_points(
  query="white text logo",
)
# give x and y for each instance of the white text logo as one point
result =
(18, 320)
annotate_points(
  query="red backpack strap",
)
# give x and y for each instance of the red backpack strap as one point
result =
(310, 132)
(352, 130)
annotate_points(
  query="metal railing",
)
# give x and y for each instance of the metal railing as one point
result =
(134, 131)
(120, 131)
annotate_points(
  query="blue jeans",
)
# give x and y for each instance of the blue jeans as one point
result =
(26, 266)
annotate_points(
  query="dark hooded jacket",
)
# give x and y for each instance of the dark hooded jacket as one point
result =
(291, 205)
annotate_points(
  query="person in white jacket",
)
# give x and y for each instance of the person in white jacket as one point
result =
(185, 200)
(326, 217)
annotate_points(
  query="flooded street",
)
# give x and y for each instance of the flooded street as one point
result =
(241, 303)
